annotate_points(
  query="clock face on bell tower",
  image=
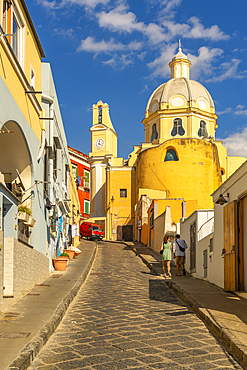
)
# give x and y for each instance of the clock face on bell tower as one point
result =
(99, 143)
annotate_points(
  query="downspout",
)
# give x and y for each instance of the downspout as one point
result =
(238, 241)
(42, 145)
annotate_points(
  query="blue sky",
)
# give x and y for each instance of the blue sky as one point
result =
(118, 52)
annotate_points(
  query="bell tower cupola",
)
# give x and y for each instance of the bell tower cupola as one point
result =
(180, 64)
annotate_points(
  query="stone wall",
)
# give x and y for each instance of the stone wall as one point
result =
(28, 267)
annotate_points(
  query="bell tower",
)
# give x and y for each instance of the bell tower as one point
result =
(103, 135)
(103, 150)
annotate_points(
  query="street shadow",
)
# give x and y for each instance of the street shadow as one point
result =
(158, 291)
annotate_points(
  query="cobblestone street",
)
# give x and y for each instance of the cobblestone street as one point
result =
(124, 317)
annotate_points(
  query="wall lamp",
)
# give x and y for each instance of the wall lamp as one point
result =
(112, 198)
(221, 200)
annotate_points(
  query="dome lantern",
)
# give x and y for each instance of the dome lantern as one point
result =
(180, 64)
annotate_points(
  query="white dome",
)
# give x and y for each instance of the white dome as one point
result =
(191, 90)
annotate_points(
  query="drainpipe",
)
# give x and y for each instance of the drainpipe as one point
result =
(42, 145)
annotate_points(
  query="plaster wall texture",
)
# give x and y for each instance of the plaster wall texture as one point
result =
(165, 124)
(235, 185)
(159, 230)
(13, 79)
(29, 267)
(10, 111)
(215, 263)
(193, 177)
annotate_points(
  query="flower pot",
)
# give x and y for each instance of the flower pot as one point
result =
(23, 216)
(30, 222)
(70, 253)
(60, 263)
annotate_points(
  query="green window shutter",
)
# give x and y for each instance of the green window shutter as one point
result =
(86, 179)
(86, 207)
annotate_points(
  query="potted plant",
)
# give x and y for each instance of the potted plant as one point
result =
(23, 213)
(60, 263)
(30, 222)
(70, 252)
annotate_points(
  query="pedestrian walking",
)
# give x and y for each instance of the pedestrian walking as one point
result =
(166, 256)
(179, 247)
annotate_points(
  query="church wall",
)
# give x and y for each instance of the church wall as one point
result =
(121, 209)
(191, 177)
(190, 123)
(233, 163)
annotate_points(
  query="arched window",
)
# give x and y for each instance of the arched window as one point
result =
(177, 127)
(154, 134)
(202, 132)
(171, 155)
(100, 114)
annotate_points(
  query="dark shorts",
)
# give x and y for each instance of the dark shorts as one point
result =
(180, 259)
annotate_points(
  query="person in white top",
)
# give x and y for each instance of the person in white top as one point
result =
(179, 247)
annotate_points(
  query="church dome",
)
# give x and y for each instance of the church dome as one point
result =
(180, 91)
(192, 91)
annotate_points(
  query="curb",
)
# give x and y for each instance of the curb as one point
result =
(27, 355)
(223, 334)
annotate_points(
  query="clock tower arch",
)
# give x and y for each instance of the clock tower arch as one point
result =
(103, 150)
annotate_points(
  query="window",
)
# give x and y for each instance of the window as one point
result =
(123, 193)
(86, 207)
(211, 245)
(202, 132)
(171, 155)
(177, 127)
(12, 26)
(154, 134)
(86, 178)
(74, 170)
(100, 114)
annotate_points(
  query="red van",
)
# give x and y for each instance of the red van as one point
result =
(91, 231)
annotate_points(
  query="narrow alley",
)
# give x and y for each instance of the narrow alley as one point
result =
(125, 317)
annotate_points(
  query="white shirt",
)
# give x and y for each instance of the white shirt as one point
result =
(176, 249)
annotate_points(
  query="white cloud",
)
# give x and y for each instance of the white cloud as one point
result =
(160, 65)
(227, 110)
(198, 31)
(120, 62)
(119, 20)
(60, 4)
(229, 70)
(62, 32)
(90, 45)
(236, 144)
(202, 64)
(240, 110)
(193, 30)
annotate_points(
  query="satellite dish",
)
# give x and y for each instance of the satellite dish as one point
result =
(21, 182)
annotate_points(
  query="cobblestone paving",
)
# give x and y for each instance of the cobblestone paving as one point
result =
(124, 317)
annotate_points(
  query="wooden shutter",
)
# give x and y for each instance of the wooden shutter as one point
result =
(230, 247)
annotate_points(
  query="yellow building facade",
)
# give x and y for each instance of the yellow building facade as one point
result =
(180, 160)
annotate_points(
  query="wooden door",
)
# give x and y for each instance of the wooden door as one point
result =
(193, 247)
(230, 247)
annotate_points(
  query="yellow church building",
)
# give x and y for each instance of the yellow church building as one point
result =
(180, 163)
